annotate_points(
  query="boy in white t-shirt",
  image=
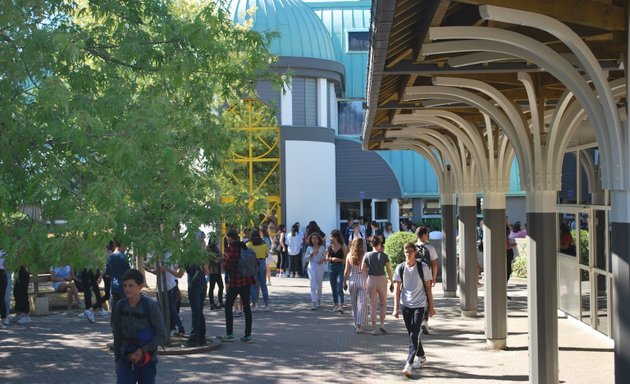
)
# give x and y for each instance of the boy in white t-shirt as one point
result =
(413, 297)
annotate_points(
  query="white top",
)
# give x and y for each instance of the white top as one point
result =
(315, 258)
(435, 235)
(412, 293)
(2, 255)
(294, 243)
(430, 248)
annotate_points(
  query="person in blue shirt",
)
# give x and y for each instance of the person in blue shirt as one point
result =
(117, 265)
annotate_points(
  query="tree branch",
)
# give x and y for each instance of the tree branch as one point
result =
(106, 57)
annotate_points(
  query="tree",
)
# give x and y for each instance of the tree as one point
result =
(110, 113)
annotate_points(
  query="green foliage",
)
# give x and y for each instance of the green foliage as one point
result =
(519, 267)
(584, 245)
(431, 222)
(394, 246)
(112, 127)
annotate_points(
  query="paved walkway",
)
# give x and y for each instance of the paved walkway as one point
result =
(294, 344)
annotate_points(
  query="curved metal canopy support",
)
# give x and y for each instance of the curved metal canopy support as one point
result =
(514, 114)
(502, 41)
(589, 62)
(427, 116)
(470, 98)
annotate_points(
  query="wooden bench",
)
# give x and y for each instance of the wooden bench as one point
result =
(42, 293)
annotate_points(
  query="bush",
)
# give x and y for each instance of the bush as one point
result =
(519, 267)
(394, 246)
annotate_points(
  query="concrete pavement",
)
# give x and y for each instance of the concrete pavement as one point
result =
(294, 344)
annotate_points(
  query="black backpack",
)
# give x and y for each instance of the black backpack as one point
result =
(423, 255)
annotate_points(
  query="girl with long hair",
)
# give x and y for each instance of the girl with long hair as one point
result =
(336, 257)
(315, 255)
(355, 279)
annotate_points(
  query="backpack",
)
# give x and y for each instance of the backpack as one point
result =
(423, 255)
(401, 274)
(247, 263)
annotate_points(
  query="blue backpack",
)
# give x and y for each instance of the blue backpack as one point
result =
(247, 263)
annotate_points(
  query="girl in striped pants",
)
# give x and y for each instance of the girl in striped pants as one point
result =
(355, 278)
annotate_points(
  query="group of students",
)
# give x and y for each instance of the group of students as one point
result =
(366, 274)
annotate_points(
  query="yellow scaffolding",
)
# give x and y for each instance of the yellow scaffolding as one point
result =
(260, 156)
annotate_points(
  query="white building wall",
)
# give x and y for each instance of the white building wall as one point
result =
(310, 184)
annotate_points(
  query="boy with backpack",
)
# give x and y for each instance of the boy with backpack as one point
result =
(413, 297)
(428, 255)
(240, 265)
(138, 329)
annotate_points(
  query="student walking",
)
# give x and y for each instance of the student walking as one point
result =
(138, 331)
(237, 285)
(355, 279)
(413, 297)
(315, 256)
(336, 257)
(375, 263)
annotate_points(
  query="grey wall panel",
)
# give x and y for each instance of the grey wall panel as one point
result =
(515, 209)
(363, 174)
(297, 89)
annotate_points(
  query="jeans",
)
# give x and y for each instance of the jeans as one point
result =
(128, 373)
(413, 320)
(176, 321)
(215, 279)
(20, 291)
(106, 295)
(336, 282)
(90, 284)
(7, 295)
(197, 297)
(261, 283)
(3, 291)
(243, 292)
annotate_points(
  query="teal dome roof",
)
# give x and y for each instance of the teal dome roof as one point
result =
(302, 33)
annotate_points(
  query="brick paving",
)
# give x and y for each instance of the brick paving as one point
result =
(294, 344)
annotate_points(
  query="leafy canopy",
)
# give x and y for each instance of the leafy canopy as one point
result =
(112, 124)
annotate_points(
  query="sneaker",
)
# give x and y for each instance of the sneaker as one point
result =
(247, 339)
(226, 338)
(269, 283)
(358, 329)
(255, 308)
(23, 320)
(7, 321)
(407, 370)
(335, 308)
(425, 328)
(419, 362)
(313, 306)
(383, 330)
(89, 315)
(376, 332)
(238, 314)
(3, 326)
(102, 313)
(181, 332)
(266, 308)
(340, 309)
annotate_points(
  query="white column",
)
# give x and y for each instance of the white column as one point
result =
(372, 213)
(286, 105)
(394, 215)
(322, 102)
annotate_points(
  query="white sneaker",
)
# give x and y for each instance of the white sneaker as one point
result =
(266, 308)
(24, 320)
(6, 321)
(419, 362)
(407, 370)
(102, 313)
(89, 315)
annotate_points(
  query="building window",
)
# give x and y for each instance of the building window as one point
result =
(349, 209)
(358, 41)
(304, 101)
(405, 207)
(431, 207)
(381, 210)
(351, 117)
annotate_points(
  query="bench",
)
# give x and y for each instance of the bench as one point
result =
(42, 293)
